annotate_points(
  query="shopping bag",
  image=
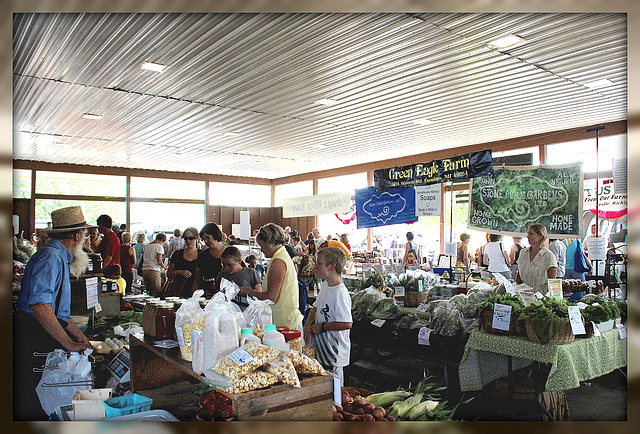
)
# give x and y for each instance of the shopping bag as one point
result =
(580, 263)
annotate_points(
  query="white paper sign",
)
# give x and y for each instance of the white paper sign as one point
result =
(378, 322)
(428, 199)
(422, 307)
(501, 317)
(555, 288)
(245, 225)
(241, 356)
(420, 285)
(91, 285)
(330, 203)
(337, 390)
(581, 305)
(507, 285)
(622, 331)
(98, 308)
(451, 248)
(596, 330)
(577, 326)
(620, 175)
(597, 249)
(398, 291)
(539, 295)
(423, 336)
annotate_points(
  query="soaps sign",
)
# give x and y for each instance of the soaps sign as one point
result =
(428, 200)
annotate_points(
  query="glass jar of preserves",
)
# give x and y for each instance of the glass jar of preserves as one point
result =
(165, 320)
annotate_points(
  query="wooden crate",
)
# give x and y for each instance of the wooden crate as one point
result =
(413, 298)
(311, 402)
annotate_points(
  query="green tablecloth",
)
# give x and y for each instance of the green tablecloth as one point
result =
(485, 359)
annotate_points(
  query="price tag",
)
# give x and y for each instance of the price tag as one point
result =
(451, 248)
(539, 295)
(399, 269)
(555, 288)
(91, 285)
(241, 356)
(507, 285)
(575, 319)
(501, 317)
(420, 285)
(423, 336)
(398, 291)
(378, 322)
(422, 307)
(581, 305)
(98, 308)
(622, 331)
(596, 330)
(180, 336)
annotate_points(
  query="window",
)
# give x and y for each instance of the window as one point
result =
(165, 217)
(80, 184)
(91, 210)
(22, 183)
(167, 188)
(609, 148)
(230, 194)
(293, 190)
(342, 183)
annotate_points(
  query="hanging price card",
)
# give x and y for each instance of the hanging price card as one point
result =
(420, 285)
(622, 331)
(378, 322)
(98, 308)
(91, 285)
(422, 307)
(596, 330)
(577, 326)
(597, 249)
(501, 317)
(451, 248)
(398, 291)
(555, 288)
(423, 336)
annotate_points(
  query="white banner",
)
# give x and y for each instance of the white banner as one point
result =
(428, 199)
(330, 203)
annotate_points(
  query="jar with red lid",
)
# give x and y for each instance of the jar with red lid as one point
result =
(165, 321)
(293, 338)
(282, 329)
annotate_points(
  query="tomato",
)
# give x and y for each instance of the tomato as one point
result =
(222, 410)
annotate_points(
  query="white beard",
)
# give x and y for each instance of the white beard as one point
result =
(80, 261)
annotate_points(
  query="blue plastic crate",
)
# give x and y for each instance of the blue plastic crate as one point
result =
(127, 404)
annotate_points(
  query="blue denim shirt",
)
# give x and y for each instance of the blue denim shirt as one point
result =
(46, 272)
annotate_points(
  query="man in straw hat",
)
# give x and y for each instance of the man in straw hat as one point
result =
(41, 321)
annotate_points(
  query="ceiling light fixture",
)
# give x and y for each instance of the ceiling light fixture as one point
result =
(327, 101)
(319, 146)
(603, 82)
(423, 122)
(91, 117)
(231, 134)
(506, 42)
(155, 67)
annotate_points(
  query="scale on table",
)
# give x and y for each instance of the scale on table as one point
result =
(119, 366)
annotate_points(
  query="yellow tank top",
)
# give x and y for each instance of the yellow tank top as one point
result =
(285, 310)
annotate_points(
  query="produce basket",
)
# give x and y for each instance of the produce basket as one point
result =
(485, 321)
(563, 336)
(126, 404)
(414, 298)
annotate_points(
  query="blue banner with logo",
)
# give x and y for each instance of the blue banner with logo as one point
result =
(382, 208)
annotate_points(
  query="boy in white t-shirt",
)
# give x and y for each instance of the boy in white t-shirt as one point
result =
(330, 318)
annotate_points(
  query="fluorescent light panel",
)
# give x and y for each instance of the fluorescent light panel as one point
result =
(506, 42)
(155, 67)
(423, 122)
(327, 101)
(91, 116)
(231, 134)
(603, 82)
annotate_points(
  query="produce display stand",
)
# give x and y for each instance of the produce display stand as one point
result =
(153, 367)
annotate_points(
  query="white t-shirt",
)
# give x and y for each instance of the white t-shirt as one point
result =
(333, 304)
(497, 262)
(150, 255)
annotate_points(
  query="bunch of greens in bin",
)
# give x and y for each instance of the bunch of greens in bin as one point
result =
(410, 280)
(374, 280)
(514, 301)
(386, 308)
(600, 313)
(546, 317)
(364, 302)
(622, 307)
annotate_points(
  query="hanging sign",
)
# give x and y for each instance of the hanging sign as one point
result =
(611, 205)
(459, 168)
(513, 198)
(620, 175)
(597, 248)
(91, 285)
(382, 208)
(348, 217)
(428, 200)
(330, 203)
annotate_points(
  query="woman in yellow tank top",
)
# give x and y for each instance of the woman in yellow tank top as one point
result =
(280, 280)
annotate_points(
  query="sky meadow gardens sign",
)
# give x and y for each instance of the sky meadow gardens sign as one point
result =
(330, 203)
(513, 198)
(454, 169)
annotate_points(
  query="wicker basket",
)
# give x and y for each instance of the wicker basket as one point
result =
(563, 336)
(485, 322)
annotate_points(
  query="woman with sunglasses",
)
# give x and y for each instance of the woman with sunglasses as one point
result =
(208, 264)
(182, 264)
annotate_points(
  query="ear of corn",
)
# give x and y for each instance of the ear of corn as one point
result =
(408, 404)
(384, 399)
(420, 409)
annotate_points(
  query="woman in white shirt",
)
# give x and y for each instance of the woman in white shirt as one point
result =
(537, 264)
(152, 265)
(496, 256)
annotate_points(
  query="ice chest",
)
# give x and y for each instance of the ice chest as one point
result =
(311, 402)
(126, 404)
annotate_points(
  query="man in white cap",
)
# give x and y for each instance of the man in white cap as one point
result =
(41, 321)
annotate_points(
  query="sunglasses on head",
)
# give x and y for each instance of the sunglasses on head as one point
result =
(189, 238)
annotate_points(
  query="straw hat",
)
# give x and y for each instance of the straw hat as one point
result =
(68, 219)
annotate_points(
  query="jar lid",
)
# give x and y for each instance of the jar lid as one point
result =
(270, 327)
(166, 305)
(291, 334)
(282, 329)
(246, 332)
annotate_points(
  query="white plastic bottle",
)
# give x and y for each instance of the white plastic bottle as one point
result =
(272, 337)
(220, 336)
(247, 337)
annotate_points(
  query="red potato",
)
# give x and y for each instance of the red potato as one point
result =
(380, 409)
(350, 417)
(348, 408)
(381, 419)
(368, 408)
(338, 417)
(368, 418)
(378, 414)
(358, 411)
(390, 418)
(359, 403)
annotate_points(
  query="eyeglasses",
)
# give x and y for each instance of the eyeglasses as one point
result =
(189, 238)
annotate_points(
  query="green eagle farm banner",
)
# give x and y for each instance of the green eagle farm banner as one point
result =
(460, 168)
(513, 198)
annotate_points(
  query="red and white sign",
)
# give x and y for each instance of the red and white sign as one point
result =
(610, 205)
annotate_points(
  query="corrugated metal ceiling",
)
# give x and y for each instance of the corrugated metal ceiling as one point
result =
(239, 95)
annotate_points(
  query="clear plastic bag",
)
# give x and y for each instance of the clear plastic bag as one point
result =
(258, 314)
(238, 364)
(304, 364)
(282, 367)
(189, 316)
(228, 291)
